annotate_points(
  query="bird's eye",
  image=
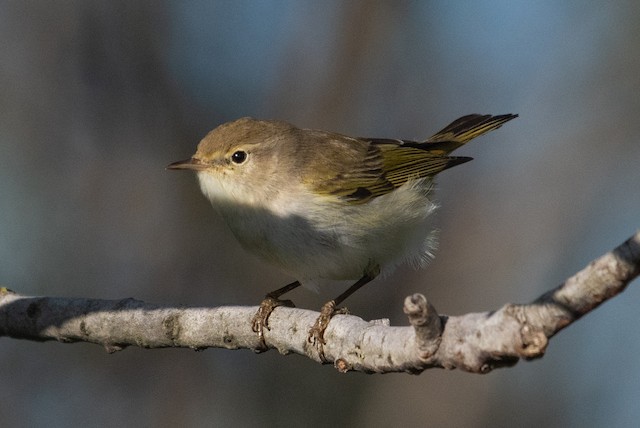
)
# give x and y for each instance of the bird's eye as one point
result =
(239, 157)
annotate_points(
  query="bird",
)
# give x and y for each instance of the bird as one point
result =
(323, 206)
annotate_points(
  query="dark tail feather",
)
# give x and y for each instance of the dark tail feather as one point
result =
(465, 129)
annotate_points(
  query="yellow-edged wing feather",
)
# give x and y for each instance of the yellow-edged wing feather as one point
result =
(388, 164)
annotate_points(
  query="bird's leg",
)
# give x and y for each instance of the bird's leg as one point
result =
(316, 334)
(271, 301)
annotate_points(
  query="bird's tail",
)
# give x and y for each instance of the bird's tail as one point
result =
(465, 129)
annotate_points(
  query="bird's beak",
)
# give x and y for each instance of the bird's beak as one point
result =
(192, 164)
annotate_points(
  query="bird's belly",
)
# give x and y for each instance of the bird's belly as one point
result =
(339, 242)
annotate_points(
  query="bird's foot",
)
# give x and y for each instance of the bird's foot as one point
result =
(316, 333)
(260, 320)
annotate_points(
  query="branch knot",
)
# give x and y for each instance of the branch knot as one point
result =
(426, 323)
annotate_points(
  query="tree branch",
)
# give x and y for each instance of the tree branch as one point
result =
(475, 342)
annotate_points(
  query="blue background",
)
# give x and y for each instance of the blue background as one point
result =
(98, 97)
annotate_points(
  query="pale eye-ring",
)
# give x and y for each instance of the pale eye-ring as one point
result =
(239, 156)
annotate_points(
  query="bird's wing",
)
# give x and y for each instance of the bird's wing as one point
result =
(386, 166)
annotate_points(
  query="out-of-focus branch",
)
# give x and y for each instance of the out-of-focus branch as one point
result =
(475, 342)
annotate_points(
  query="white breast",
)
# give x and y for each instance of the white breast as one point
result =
(316, 237)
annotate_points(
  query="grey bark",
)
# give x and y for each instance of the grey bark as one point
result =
(474, 342)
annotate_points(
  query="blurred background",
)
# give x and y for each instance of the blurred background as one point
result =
(98, 97)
